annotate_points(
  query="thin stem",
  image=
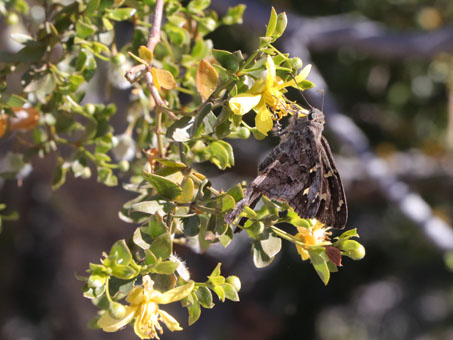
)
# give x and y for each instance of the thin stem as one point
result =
(160, 145)
(286, 236)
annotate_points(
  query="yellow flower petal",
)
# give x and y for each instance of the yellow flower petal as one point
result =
(270, 77)
(147, 322)
(135, 296)
(243, 103)
(302, 252)
(263, 121)
(109, 324)
(172, 295)
(169, 321)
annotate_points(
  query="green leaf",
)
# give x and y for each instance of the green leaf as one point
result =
(28, 55)
(170, 163)
(123, 272)
(305, 85)
(162, 246)
(163, 186)
(222, 154)
(227, 237)
(282, 22)
(92, 6)
(182, 123)
(260, 258)
(16, 101)
(272, 23)
(149, 207)
(320, 265)
(230, 292)
(84, 30)
(270, 243)
(199, 118)
(198, 5)
(165, 267)
(138, 239)
(120, 14)
(220, 292)
(204, 296)
(248, 212)
(194, 312)
(156, 226)
(191, 225)
(106, 176)
(234, 15)
(216, 271)
(255, 229)
(150, 258)
(236, 192)
(226, 59)
(121, 251)
(271, 207)
(228, 203)
(177, 35)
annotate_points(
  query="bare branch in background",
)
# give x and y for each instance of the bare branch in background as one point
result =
(330, 33)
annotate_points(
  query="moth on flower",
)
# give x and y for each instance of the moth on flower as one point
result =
(266, 98)
(144, 307)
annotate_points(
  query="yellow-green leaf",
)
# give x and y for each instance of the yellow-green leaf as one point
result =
(145, 53)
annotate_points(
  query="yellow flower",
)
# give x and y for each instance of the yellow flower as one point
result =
(316, 235)
(266, 98)
(144, 306)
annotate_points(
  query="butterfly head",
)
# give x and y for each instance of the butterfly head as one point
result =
(315, 116)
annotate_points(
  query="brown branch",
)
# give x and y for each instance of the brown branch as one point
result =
(154, 36)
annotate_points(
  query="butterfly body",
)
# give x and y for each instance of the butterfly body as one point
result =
(301, 172)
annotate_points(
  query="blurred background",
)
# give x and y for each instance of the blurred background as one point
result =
(383, 71)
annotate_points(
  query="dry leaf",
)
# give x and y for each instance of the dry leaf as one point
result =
(26, 118)
(163, 78)
(207, 79)
(3, 125)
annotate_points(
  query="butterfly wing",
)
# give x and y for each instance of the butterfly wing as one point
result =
(333, 207)
(292, 173)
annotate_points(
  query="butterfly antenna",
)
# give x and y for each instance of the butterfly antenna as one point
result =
(323, 97)
(300, 91)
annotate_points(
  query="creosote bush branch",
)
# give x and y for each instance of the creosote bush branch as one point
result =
(160, 151)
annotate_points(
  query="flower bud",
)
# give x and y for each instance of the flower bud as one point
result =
(295, 63)
(235, 282)
(117, 310)
(12, 19)
(353, 249)
(124, 165)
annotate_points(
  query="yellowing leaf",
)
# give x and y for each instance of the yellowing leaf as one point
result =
(187, 192)
(163, 78)
(207, 79)
(26, 118)
(145, 53)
